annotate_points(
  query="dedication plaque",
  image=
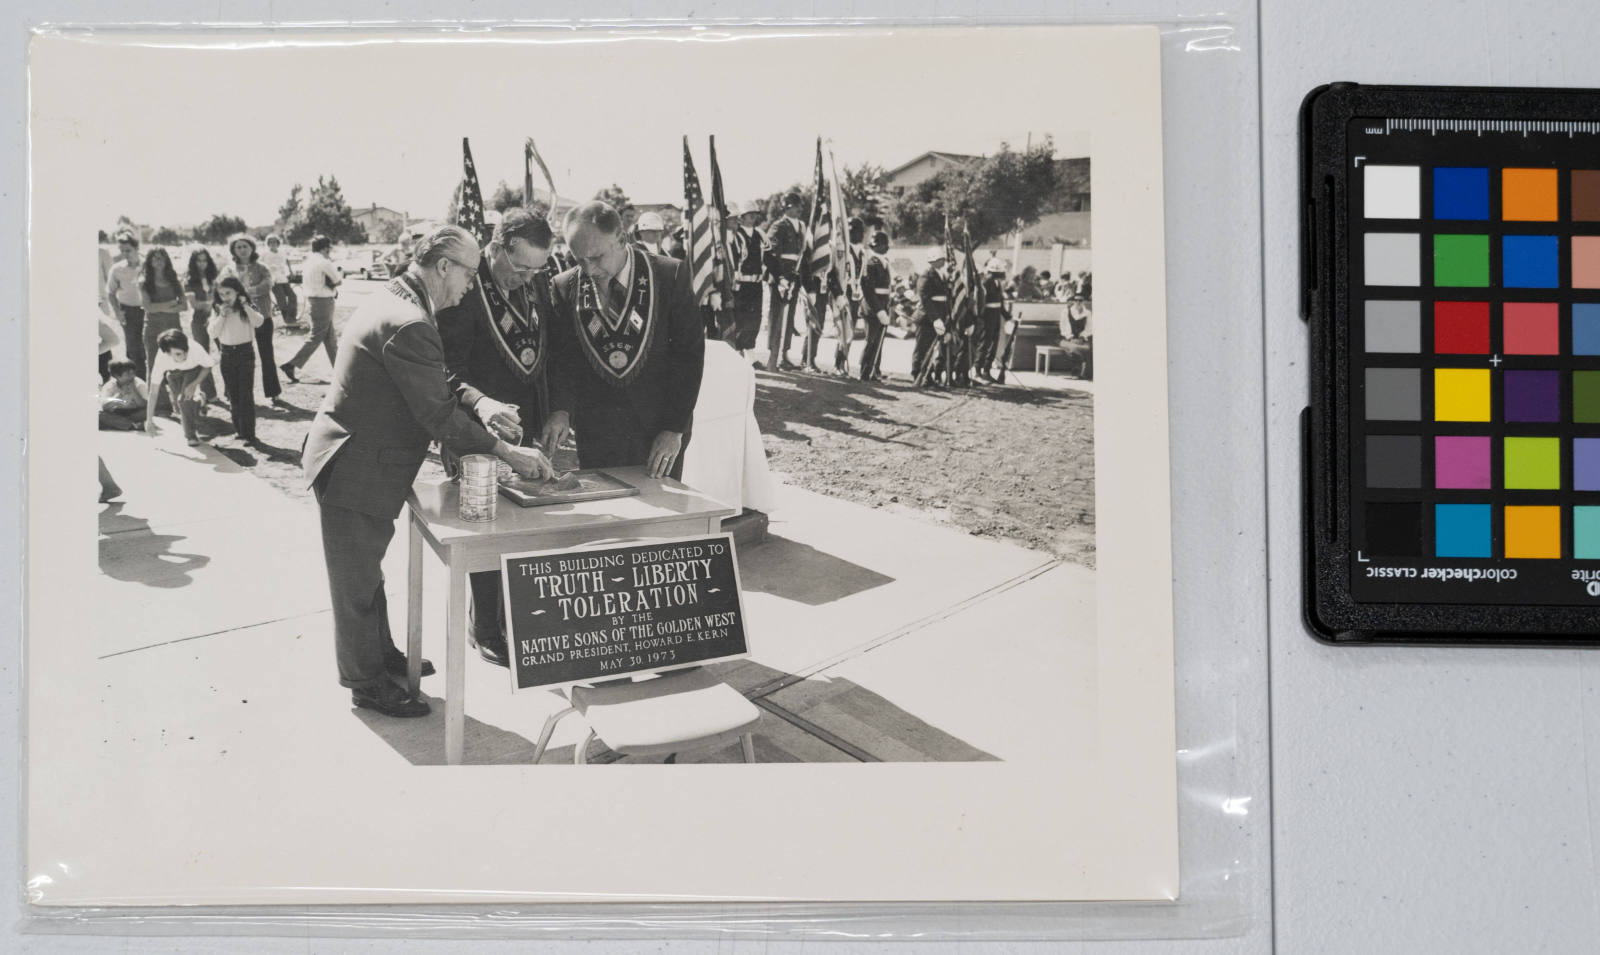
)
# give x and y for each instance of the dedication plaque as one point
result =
(599, 613)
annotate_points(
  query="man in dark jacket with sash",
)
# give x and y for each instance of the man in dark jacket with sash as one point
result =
(495, 349)
(388, 400)
(627, 348)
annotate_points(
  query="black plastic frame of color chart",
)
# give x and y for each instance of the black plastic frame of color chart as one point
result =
(1331, 609)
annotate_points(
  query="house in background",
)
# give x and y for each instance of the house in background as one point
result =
(379, 220)
(922, 168)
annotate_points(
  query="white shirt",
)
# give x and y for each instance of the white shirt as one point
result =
(196, 357)
(229, 328)
(277, 263)
(319, 277)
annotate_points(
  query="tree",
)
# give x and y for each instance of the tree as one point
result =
(455, 205)
(329, 214)
(865, 190)
(990, 196)
(505, 197)
(613, 196)
(166, 235)
(388, 231)
(290, 213)
(774, 202)
(217, 228)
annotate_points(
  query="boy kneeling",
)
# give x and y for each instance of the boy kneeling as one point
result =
(179, 369)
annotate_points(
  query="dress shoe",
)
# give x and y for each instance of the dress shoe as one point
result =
(492, 649)
(288, 372)
(787, 365)
(395, 662)
(388, 699)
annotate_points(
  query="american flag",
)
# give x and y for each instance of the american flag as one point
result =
(725, 256)
(698, 216)
(817, 257)
(963, 301)
(469, 209)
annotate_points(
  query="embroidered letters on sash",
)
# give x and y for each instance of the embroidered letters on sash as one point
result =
(618, 345)
(518, 331)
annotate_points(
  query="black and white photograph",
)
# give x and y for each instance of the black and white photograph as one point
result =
(588, 429)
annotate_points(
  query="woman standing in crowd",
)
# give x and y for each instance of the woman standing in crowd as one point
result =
(162, 298)
(201, 283)
(257, 282)
(233, 324)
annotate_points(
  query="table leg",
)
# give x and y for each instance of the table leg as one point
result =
(414, 608)
(455, 674)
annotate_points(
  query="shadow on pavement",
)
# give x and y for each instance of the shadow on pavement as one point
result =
(799, 572)
(812, 720)
(130, 551)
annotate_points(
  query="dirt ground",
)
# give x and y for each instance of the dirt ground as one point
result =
(1002, 462)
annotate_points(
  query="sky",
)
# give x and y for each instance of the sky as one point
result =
(186, 127)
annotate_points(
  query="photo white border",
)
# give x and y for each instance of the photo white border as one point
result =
(1011, 830)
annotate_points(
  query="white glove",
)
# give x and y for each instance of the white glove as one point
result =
(504, 421)
(938, 326)
(883, 317)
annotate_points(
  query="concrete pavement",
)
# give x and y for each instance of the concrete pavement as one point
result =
(874, 636)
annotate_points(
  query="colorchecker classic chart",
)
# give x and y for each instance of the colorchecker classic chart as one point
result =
(1458, 355)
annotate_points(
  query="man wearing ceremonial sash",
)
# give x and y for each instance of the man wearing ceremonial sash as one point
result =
(388, 400)
(495, 346)
(627, 348)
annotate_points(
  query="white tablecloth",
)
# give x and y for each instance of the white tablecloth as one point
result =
(725, 460)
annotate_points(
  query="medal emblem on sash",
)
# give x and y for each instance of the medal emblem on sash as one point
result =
(515, 323)
(617, 344)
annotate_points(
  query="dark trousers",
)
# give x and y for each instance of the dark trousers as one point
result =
(873, 350)
(779, 332)
(287, 304)
(321, 333)
(747, 315)
(133, 338)
(182, 385)
(986, 339)
(105, 367)
(238, 367)
(269, 365)
(486, 614)
(925, 350)
(197, 331)
(353, 545)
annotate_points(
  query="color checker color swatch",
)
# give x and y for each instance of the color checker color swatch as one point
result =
(1477, 358)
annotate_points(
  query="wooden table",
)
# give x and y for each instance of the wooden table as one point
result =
(663, 508)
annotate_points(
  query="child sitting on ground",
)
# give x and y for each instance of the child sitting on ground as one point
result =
(123, 397)
(179, 369)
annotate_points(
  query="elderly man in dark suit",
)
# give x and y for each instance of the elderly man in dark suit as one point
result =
(627, 350)
(388, 400)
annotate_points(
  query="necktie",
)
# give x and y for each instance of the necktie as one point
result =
(619, 296)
